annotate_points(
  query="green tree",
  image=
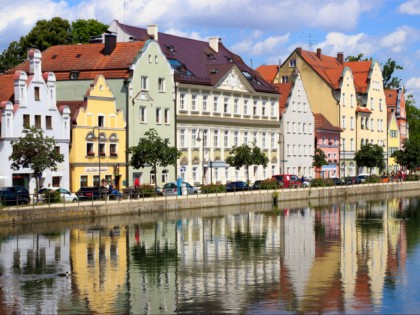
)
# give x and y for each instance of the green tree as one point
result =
(388, 69)
(319, 159)
(45, 34)
(246, 156)
(370, 156)
(36, 152)
(82, 30)
(413, 118)
(359, 57)
(153, 151)
(409, 156)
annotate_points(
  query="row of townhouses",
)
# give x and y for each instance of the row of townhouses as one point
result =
(98, 99)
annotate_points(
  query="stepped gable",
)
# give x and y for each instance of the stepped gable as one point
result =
(88, 59)
(191, 58)
(323, 123)
(74, 107)
(361, 71)
(268, 72)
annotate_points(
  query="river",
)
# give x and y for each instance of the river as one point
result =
(349, 257)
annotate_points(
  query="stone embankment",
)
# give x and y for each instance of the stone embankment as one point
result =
(214, 202)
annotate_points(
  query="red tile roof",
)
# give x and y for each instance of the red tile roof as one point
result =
(391, 97)
(7, 89)
(88, 59)
(284, 89)
(268, 72)
(74, 108)
(323, 123)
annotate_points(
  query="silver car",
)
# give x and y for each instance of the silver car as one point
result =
(171, 189)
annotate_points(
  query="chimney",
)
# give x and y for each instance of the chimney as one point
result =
(110, 44)
(152, 31)
(214, 43)
(299, 50)
(340, 57)
(318, 52)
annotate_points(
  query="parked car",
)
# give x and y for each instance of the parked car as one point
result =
(92, 193)
(171, 189)
(349, 180)
(65, 195)
(257, 185)
(337, 181)
(287, 180)
(237, 186)
(361, 178)
(13, 195)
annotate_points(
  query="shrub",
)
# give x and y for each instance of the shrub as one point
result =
(321, 182)
(412, 177)
(213, 188)
(51, 196)
(268, 184)
(147, 191)
(373, 179)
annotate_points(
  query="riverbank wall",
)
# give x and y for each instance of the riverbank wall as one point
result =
(214, 203)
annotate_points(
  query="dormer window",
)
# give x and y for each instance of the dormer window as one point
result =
(74, 75)
(211, 56)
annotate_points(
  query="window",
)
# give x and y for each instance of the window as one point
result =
(26, 121)
(371, 124)
(351, 144)
(294, 127)
(292, 63)
(101, 120)
(95, 180)
(288, 126)
(216, 138)
(246, 137)
(343, 122)
(205, 138)
(57, 149)
(195, 173)
(161, 85)
(143, 118)
(236, 138)
(158, 116)
(226, 138)
(113, 149)
(273, 140)
(255, 138)
(304, 128)
(264, 109)
(38, 121)
(272, 109)
(102, 150)
(227, 173)
(89, 149)
(264, 140)
(215, 103)
(182, 142)
(166, 116)
(255, 108)
(182, 97)
(380, 104)
(205, 105)
(288, 150)
(83, 181)
(344, 99)
(236, 106)
(48, 122)
(194, 138)
(194, 102)
(226, 105)
(246, 107)
(36, 94)
(144, 83)
(371, 103)
(351, 123)
(284, 79)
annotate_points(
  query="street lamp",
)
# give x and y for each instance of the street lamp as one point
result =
(202, 155)
(99, 155)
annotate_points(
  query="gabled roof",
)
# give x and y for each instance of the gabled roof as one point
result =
(7, 89)
(191, 59)
(74, 108)
(324, 124)
(88, 59)
(328, 68)
(360, 70)
(391, 97)
(284, 90)
(268, 72)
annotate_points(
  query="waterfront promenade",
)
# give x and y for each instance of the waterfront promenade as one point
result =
(164, 205)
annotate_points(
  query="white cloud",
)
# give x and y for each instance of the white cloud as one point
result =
(192, 34)
(398, 40)
(257, 48)
(411, 7)
(413, 83)
(349, 44)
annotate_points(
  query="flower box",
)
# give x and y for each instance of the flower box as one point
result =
(91, 153)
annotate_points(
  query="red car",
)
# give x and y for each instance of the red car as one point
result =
(287, 180)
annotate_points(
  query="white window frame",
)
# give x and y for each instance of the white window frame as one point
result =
(143, 114)
(161, 85)
(144, 83)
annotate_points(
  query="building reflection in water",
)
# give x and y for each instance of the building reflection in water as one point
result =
(330, 259)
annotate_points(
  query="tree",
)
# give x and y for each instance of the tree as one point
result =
(359, 57)
(319, 159)
(246, 156)
(45, 34)
(388, 70)
(413, 118)
(82, 30)
(370, 155)
(409, 156)
(36, 152)
(153, 151)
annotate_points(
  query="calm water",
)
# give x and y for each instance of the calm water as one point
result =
(349, 257)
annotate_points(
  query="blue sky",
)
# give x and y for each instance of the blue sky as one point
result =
(264, 31)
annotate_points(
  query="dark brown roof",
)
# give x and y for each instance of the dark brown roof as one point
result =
(323, 123)
(193, 60)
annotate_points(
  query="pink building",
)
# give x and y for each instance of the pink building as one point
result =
(327, 138)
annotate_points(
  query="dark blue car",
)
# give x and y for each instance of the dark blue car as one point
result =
(14, 195)
(237, 186)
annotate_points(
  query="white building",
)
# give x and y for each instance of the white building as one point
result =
(297, 129)
(33, 102)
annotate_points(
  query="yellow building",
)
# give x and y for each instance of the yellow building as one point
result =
(393, 142)
(98, 139)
